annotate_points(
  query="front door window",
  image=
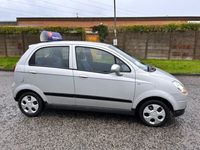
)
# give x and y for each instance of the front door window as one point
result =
(95, 60)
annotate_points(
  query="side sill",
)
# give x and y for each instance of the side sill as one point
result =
(91, 109)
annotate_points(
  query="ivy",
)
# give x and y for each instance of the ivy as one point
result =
(102, 31)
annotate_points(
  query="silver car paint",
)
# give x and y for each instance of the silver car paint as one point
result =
(135, 86)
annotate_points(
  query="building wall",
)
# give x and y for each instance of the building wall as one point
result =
(90, 23)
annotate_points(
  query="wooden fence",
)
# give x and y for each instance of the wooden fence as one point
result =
(160, 45)
(152, 45)
(17, 44)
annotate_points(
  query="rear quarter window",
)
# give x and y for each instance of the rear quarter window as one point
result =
(54, 57)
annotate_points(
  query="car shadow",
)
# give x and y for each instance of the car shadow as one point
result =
(100, 116)
(84, 114)
(52, 114)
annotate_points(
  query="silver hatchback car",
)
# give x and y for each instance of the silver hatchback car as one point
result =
(97, 77)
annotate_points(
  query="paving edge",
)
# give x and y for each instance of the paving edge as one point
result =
(6, 70)
(186, 74)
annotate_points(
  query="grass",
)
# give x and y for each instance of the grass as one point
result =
(176, 66)
(171, 66)
(7, 63)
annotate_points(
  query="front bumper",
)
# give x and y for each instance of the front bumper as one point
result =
(179, 101)
(180, 104)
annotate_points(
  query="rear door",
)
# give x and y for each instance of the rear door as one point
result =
(96, 86)
(49, 70)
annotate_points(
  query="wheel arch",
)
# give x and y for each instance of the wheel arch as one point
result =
(28, 88)
(165, 101)
(24, 91)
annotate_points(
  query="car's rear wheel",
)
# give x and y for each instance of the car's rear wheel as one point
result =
(30, 104)
(154, 113)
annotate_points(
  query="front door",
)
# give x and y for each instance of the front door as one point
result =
(96, 86)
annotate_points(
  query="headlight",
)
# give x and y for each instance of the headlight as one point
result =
(180, 87)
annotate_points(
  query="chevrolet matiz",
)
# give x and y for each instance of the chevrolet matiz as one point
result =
(95, 77)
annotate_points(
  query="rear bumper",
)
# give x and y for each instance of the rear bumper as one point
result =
(179, 112)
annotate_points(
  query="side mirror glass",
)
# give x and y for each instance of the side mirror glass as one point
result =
(116, 68)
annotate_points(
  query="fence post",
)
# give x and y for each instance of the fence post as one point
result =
(23, 42)
(5, 45)
(146, 45)
(124, 41)
(170, 44)
(195, 44)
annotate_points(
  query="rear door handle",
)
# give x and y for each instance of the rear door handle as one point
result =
(83, 76)
(33, 72)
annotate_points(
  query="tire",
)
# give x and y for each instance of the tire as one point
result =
(154, 113)
(30, 104)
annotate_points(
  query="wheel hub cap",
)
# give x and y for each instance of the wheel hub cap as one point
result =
(29, 104)
(154, 114)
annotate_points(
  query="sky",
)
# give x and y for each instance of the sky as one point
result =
(10, 9)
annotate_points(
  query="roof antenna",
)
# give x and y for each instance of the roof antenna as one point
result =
(76, 15)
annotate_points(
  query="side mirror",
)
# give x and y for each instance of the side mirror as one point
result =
(116, 68)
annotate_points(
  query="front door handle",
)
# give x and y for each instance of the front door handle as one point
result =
(33, 72)
(83, 76)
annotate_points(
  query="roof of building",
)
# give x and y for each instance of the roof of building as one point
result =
(182, 18)
(6, 23)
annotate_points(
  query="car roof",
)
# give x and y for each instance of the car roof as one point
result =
(70, 43)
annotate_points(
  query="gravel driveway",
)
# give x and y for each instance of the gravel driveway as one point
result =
(59, 129)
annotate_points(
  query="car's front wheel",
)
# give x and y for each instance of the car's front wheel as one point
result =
(154, 113)
(30, 104)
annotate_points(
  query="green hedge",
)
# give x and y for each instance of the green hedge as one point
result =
(134, 28)
(160, 28)
(35, 30)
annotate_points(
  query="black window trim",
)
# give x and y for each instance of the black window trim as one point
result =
(104, 51)
(33, 54)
